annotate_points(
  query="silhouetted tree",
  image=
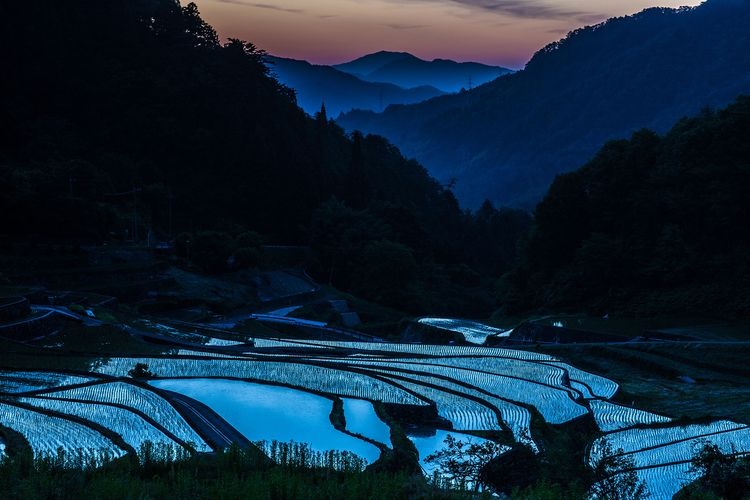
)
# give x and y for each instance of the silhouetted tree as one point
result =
(462, 462)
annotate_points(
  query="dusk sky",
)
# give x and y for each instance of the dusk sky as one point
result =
(504, 32)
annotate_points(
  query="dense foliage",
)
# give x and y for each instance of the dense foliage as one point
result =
(130, 120)
(230, 474)
(508, 139)
(651, 225)
(720, 476)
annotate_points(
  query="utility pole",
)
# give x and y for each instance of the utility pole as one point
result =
(170, 197)
(134, 192)
(135, 215)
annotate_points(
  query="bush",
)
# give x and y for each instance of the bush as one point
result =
(385, 269)
(211, 251)
(721, 475)
(182, 245)
(247, 257)
(141, 371)
(249, 239)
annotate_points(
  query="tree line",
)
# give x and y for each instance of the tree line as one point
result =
(651, 225)
(132, 120)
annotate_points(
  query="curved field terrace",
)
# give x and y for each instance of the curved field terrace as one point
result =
(351, 396)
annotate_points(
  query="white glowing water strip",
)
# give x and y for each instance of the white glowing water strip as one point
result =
(611, 417)
(133, 429)
(216, 342)
(473, 332)
(316, 378)
(205, 354)
(555, 404)
(600, 387)
(635, 440)
(281, 343)
(583, 389)
(730, 442)
(465, 414)
(47, 434)
(528, 370)
(142, 400)
(517, 418)
(664, 482)
(15, 382)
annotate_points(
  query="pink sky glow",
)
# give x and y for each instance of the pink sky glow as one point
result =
(502, 32)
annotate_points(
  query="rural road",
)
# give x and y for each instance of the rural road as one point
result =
(215, 430)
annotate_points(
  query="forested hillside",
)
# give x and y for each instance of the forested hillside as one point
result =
(651, 225)
(125, 118)
(507, 140)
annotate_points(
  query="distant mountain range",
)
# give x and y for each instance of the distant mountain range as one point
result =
(405, 70)
(341, 91)
(507, 140)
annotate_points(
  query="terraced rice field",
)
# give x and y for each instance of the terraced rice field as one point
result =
(539, 372)
(142, 400)
(662, 455)
(612, 417)
(556, 404)
(273, 413)
(473, 388)
(20, 382)
(473, 332)
(730, 442)
(303, 376)
(664, 482)
(133, 429)
(47, 434)
(593, 386)
(427, 445)
(464, 414)
(515, 417)
(418, 349)
(633, 440)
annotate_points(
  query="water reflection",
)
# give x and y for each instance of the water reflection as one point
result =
(266, 413)
(361, 419)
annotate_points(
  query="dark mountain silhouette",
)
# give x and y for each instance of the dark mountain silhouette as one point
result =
(370, 63)
(651, 225)
(341, 91)
(140, 121)
(406, 70)
(506, 140)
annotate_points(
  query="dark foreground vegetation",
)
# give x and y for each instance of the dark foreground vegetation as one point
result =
(721, 476)
(238, 473)
(230, 474)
